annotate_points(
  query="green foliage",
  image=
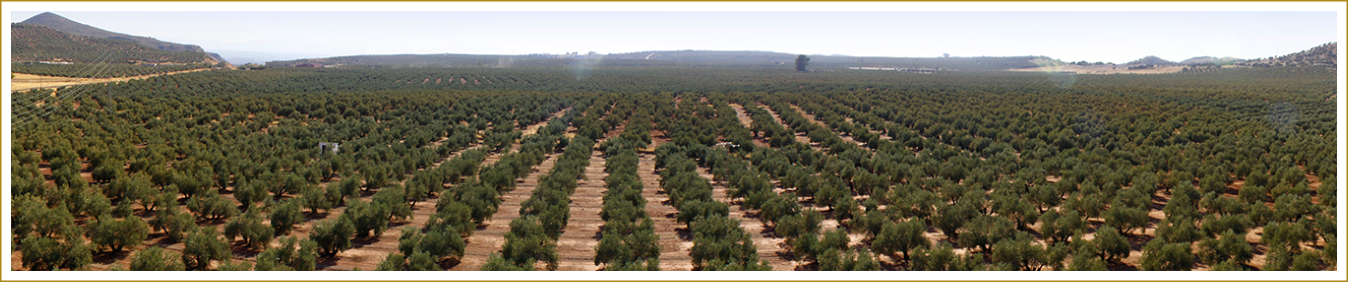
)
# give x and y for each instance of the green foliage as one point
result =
(848, 260)
(175, 223)
(936, 149)
(497, 263)
(984, 231)
(1177, 230)
(1228, 266)
(950, 218)
(527, 243)
(284, 216)
(1022, 253)
(393, 198)
(285, 257)
(901, 237)
(1085, 262)
(393, 262)
(255, 234)
(155, 259)
(1230, 247)
(45, 253)
(1126, 219)
(333, 235)
(693, 209)
(943, 258)
(248, 192)
(1285, 234)
(1112, 245)
(797, 225)
(211, 206)
(203, 246)
(31, 215)
(230, 265)
(719, 242)
(117, 233)
(367, 218)
(316, 199)
(1158, 255)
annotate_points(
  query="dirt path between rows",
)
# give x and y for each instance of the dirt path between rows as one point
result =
(576, 245)
(23, 81)
(675, 240)
(815, 120)
(748, 122)
(768, 244)
(799, 136)
(883, 136)
(490, 236)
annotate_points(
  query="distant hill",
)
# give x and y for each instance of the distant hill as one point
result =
(63, 24)
(1210, 60)
(1326, 55)
(1151, 60)
(684, 58)
(33, 43)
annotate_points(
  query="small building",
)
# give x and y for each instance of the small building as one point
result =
(327, 146)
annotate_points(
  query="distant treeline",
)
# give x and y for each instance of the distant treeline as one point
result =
(754, 59)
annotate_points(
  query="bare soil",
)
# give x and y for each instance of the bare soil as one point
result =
(576, 245)
(815, 120)
(23, 81)
(675, 240)
(799, 136)
(771, 248)
(747, 122)
(489, 236)
(1103, 69)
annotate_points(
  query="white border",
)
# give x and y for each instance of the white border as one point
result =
(673, 6)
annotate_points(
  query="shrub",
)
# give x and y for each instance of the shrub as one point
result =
(203, 246)
(155, 259)
(249, 226)
(333, 235)
(118, 233)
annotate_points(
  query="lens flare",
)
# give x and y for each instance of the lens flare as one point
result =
(1057, 72)
(1283, 116)
(582, 65)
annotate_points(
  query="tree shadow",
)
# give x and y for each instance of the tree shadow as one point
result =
(684, 233)
(110, 257)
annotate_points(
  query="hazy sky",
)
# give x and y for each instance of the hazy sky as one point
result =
(1070, 36)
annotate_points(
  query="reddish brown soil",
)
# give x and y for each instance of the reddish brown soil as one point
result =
(799, 136)
(491, 234)
(816, 120)
(675, 241)
(770, 246)
(747, 122)
(576, 245)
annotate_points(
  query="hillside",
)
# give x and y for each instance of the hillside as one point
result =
(1151, 60)
(1326, 55)
(31, 43)
(1210, 60)
(63, 24)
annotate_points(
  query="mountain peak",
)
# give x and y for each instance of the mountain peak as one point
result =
(66, 25)
(1151, 60)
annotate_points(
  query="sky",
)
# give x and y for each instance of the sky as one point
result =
(1104, 36)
